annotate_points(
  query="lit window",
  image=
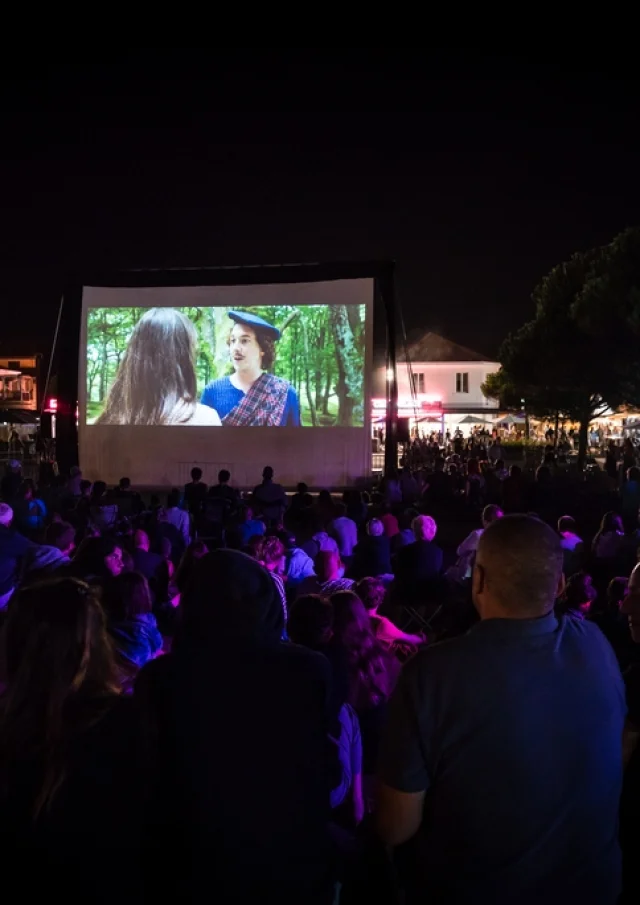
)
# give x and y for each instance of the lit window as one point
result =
(418, 383)
(462, 382)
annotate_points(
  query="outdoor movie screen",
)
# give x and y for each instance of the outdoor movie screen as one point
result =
(271, 365)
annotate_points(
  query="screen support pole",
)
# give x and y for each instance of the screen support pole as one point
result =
(391, 375)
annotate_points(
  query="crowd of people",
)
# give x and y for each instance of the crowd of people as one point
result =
(411, 694)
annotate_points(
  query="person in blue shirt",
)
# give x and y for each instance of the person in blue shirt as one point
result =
(502, 760)
(251, 396)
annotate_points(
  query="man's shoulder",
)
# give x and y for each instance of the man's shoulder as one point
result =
(443, 656)
(219, 383)
(582, 630)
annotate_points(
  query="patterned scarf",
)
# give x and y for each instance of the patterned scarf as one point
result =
(262, 406)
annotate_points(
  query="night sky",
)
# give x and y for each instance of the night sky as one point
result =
(475, 175)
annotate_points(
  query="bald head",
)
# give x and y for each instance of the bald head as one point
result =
(518, 572)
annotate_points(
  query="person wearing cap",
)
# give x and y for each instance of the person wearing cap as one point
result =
(251, 396)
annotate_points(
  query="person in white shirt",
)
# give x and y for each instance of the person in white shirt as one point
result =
(345, 532)
(467, 549)
(178, 517)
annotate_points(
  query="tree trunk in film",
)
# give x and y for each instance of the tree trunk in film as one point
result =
(307, 375)
(322, 338)
(103, 355)
(327, 389)
(349, 381)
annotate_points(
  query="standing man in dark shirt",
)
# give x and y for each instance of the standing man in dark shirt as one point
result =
(222, 499)
(503, 753)
(195, 492)
(269, 497)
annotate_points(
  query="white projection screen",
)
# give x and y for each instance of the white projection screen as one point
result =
(234, 377)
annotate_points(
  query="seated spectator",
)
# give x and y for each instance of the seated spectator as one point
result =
(324, 543)
(269, 551)
(418, 566)
(68, 787)
(391, 488)
(249, 526)
(330, 572)
(578, 596)
(97, 559)
(514, 490)
(147, 563)
(372, 555)
(613, 622)
(356, 506)
(390, 523)
(500, 471)
(43, 559)
(130, 622)
(298, 566)
(229, 669)
(102, 510)
(544, 828)
(345, 532)
(166, 533)
(195, 492)
(13, 551)
(609, 542)
(405, 533)
(372, 593)
(467, 550)
(178, 517)
(572, 545)
(29, 511)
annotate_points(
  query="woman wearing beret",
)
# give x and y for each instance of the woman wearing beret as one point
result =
(251, 396)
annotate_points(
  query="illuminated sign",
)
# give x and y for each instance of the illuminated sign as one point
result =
(421, 407)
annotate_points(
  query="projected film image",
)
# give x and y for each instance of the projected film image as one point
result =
(264, 366)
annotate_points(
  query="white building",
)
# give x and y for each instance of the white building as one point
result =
(439, 384)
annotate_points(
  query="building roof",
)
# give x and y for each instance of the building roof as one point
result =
(436, 348)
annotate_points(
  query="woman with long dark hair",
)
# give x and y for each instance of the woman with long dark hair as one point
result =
(132, 626)
(156, 381)
(66, 764)
(372, 675)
